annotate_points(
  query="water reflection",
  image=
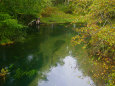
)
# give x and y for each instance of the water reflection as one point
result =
(66, 75)
(45, 58)
(30, 57)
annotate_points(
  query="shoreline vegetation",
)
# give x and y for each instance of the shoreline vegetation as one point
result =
(98, 36)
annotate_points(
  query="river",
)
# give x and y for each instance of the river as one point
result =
(47, 58)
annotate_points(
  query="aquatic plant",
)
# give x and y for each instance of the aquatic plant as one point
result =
(3, 73)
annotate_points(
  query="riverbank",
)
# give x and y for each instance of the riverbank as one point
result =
(59, 15)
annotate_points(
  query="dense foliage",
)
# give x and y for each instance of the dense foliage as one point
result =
(99, 34)
(10, 29)
(14, 14)
(99, 25)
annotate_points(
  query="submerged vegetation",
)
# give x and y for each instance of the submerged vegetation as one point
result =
(97, 35)
(3, 73)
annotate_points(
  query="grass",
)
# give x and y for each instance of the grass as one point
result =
(58, 16)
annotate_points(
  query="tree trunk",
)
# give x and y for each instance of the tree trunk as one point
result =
(68, 1)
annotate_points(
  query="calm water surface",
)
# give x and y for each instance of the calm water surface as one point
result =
(45, 58)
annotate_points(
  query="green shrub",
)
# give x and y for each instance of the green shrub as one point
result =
(47, 12)
(10, 29)
(4, 16)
